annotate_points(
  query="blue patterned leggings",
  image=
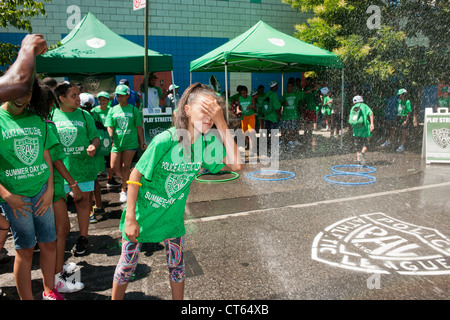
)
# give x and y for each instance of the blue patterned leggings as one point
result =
(126, 266)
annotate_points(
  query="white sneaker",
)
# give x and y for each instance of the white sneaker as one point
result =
(123, 196)
(68, 283)
(401, 149)
(297, 143)
(386, 144)
(291, 144)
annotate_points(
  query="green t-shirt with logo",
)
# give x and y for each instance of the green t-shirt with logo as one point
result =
(273, 105)
(124, 121)
(245, 103)
(57, 153)
(76, 130)
(99, 114)
(403, 108)
(363, 131)
(290, 101)
(23, 170)
(166, 181)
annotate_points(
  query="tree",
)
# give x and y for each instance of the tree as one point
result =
(386, 44)
(16, 13)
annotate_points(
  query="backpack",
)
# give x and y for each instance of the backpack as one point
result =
(356, 118)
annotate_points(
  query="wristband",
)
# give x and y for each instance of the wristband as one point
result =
(73, 185)
(134, 182)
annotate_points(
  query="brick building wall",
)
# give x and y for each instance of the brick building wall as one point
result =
(186, 29)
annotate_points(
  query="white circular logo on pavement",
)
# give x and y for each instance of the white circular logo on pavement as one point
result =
(378, 243)
(96, 43)
(277, 42)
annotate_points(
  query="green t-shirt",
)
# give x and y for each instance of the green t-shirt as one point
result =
(403, 108)
(290, 103)
(124, 121)
(24, 138)
(57, 153)
(99, 114)
(273, 105)
(363, 131)
(166, 181)
(310, 99)
(260, 103)
(245, 103)
(76, 131)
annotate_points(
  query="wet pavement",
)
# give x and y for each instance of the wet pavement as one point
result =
(294, 239)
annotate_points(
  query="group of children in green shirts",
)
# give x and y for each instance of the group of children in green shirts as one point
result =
(288, 112)
(158, 185)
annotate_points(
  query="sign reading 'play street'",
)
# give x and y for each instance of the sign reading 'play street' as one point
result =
(378, 243)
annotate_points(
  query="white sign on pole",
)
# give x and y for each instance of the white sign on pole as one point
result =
(138, 4)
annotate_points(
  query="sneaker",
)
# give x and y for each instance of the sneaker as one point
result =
(291, 144)
(92, 218)
(401, 149)
(123, 196)
(386, 144)
(98, 211)
(67, 283)
(112, 183)
(52, 295)
(297, 143)
(71, 267)
(81, 246)
(362, 159)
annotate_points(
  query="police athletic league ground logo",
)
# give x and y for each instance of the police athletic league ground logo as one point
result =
(68, 135)
(377, 243)
(27, 149)
(122, 122)
(442, 137)
(176, 182)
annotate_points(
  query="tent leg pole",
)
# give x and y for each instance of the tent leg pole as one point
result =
(226, 91)
(342, 106)
(173, 91)
(146, 60)
(190, 78)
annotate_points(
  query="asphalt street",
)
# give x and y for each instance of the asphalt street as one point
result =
(302, 238)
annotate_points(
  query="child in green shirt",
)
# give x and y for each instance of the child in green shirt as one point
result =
(159, 184)
(26, 188)
(362, 129)
(401, 121)
(79, 136)
(124, 123)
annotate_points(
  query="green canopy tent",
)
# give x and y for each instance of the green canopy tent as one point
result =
(93, 48)
(263, 49)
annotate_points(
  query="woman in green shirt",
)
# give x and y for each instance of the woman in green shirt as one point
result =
(124, 123)
(159, 184)
(26, 188)
(79, 136)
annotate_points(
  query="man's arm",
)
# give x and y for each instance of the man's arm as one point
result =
(17, 81)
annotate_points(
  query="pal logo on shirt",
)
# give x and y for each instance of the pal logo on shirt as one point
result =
(68, 135)
(27, 150)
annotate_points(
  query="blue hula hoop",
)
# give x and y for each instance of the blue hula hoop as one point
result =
(292, 175)
(371, 179)
(372, 169)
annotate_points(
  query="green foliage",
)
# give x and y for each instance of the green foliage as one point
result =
(410, 47)
(17, 14)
